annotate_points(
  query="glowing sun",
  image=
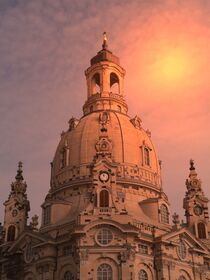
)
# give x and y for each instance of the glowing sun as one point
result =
(172, 67)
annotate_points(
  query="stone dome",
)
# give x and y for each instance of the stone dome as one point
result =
(128, 143)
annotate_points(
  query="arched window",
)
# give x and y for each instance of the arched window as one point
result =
(68, 276)
(182, 278)
(63, 158)
(201, 231)
(104, 198)
(11, 233)
(114, 83)
(47, 215)
(119, 109)
(164, 215)
(146, 156)
(95, 83)
(143, 275)
(104, 272)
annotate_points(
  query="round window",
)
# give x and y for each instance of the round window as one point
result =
(104, 236)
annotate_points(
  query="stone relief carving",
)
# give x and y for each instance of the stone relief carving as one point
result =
(104, 146)
(129, 254)
(148, 132)
(73, 122)
(104, 120)
(136, 121)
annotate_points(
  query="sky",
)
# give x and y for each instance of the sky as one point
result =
(45, 47)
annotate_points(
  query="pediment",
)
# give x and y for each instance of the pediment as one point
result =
(184, 234)
(26, 237)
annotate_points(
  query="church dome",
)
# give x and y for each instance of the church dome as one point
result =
(105, 130)
(130, 147)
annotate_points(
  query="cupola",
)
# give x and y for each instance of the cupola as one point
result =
(105, 82)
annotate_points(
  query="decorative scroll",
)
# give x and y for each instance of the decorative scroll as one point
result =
(136, 121)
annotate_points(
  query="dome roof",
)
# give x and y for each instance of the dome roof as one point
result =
(105, 132)
(128, 143)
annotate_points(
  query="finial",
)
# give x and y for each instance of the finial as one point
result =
(176, 220)
(192, 167)
(104, 45)
(19, 176)
(34, 223)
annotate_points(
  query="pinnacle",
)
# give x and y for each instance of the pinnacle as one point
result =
(19, 176)
(192, 167)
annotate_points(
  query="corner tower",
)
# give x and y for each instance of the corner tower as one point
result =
(16, 208)
(196, 206)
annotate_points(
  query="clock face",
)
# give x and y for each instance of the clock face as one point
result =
(195, 182)
(104, 176)
(198, 210)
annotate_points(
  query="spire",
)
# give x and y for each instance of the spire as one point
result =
(104, 45)
(193, 173)
(105, 54)
(19, 176)
(193, 183)
(192, 167)
(19, 186)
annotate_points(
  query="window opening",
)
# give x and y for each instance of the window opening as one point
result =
(104, 236)
(201, 231)
(68, 276)
(47, 215)
(96, 84)
(104, 198)
(114, 83)
(146, 156)
(143, 275)
(119, 109)
(63, 158)
(11, 233)
(104, 272)
(182, 278)
(164, 214)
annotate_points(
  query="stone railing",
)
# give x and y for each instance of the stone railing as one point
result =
(125, 173)
(105, 210)
(143, 226)
(138, 174)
